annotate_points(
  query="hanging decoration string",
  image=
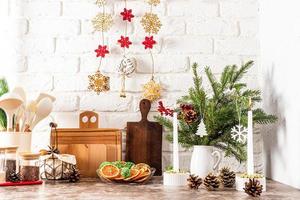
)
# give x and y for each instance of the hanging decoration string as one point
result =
(102, 22)
(151, 24)
(127, 65)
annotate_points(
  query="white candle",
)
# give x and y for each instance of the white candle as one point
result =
(250, 162)
(175, 143)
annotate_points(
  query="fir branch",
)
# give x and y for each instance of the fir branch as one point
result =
(213, 82)
(260, 117)
(165, 122)
(238, 75)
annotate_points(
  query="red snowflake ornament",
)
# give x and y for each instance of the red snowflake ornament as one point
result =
(124, 42)
(149, 42)
(101, 51)
(163, 110)
(127, 14)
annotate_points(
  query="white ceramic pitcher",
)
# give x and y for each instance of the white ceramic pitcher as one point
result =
(202, 161)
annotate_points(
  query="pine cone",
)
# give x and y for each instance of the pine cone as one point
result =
(14, 177)
(253, 187)
(74, 175)
(227, 177)
(190, 116)
(211, 182)
(194, 181)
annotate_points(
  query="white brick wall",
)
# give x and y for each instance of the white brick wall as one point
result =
(51, 48)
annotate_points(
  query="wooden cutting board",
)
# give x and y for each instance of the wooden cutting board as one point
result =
(144, 140)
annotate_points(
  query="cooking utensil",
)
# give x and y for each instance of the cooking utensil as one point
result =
(29, 115)
(44, 95)
(10, 102)
(20, 112)
(44, 108)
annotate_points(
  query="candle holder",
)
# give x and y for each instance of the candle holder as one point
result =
(241, 179)
(172, 178)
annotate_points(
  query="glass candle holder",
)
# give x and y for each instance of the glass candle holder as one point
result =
(10, 160)
(29, 168)
(2, 165)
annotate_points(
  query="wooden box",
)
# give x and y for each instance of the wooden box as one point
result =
(91, 146)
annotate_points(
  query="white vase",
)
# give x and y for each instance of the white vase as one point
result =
(204, 160)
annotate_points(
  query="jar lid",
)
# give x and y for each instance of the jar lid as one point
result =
(29, 156)
(9, 149)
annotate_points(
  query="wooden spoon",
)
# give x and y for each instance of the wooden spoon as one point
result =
(44, 108)
(10, 102)
(44, 95)
(20, 91)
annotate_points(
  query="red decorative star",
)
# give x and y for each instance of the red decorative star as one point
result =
(124, 42)
(127, 15)
(101, 51)
(149, 42)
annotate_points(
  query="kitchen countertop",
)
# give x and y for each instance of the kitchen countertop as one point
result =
(154, 190)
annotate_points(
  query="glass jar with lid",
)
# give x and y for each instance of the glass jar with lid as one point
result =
(10, 160)
(29, 168)
(2, 165)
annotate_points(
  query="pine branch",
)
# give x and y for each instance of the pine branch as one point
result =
(166, 123)
(260, 117)
(242, 71)
(213, 82)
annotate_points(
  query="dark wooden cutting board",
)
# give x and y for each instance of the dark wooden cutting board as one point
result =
(144, 140)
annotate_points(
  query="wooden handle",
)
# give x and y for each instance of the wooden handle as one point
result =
(88, 119)
(145, 106)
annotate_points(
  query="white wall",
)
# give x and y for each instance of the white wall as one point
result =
(50, 47)
(280, 52)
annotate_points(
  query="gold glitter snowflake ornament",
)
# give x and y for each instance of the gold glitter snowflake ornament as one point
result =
(98, 82)
(153, 2)
(152, 90)
(151, 23)
(100, 2)
(102, 22)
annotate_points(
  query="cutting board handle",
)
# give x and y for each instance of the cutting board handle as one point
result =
(145, 106)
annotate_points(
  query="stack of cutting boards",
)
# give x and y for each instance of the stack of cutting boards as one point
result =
(91, 145)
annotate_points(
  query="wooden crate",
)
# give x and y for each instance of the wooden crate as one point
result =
(90, 146)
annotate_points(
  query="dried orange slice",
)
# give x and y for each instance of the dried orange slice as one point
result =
(109, 171)
(133, 173)
(144, 172)
(141, 165)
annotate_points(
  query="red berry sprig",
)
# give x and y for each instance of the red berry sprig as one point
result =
(163, 110)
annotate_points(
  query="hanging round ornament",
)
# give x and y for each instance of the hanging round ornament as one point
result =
(152, 90)
(126, 68)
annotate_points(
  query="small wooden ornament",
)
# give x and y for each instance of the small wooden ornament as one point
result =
(88, 119)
